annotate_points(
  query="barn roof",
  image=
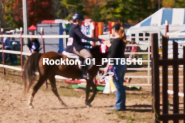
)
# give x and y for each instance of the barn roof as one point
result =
(175, 16)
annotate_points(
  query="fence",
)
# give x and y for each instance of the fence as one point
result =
(21, 36)
(165, 62)
(106, 37)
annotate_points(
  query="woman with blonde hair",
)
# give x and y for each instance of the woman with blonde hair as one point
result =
(116, 50)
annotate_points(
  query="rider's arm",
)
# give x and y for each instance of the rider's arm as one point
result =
(82, 36)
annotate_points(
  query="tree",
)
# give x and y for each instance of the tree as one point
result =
(59, 10)
(74, 6)
(168, 3)
(124, 10)
(1, 12)
(8, 14)
(180, 3)
(38, 10)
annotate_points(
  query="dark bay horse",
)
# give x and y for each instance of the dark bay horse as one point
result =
(35, 63)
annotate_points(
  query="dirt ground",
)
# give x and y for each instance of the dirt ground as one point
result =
(47, 109)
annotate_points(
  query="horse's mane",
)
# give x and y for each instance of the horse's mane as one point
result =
(95, 50)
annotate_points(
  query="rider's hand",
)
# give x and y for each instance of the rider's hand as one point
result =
(108, 44)
(97, 39)
(92, 43)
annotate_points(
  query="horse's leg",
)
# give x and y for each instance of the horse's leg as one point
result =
(35, 89)
(54, 89)
(94, 91)
(87, 93)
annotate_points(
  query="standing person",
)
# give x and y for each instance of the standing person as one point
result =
(116, 50)
(33, 45)
(128, 48)
(133, 50)
(7, 46)
(14, 48)
(75, 44)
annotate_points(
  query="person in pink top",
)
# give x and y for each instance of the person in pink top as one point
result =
(133, 49)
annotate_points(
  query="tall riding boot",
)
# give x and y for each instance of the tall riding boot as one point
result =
(84, 72)
(84, 68)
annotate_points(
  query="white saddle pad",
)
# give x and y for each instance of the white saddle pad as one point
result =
(70, 55)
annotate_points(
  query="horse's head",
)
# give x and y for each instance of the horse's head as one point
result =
(99, 52)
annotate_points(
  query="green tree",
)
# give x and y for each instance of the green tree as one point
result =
(1, 12)
(8, 14)
(58, 9)
(168, 3)
(180, 3)
(73, 6)
(124, 10)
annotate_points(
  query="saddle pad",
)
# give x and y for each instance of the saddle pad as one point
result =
(70, 55)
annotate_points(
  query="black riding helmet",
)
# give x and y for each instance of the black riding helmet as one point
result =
(77, 16)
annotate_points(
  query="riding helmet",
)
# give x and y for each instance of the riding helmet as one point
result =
(77, 16)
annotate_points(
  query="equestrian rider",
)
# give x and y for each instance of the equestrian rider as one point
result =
(75, 44)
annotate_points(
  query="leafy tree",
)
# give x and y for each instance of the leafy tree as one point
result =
(74, 6)
(180, 3)
(1, 12)
(38, 10)
(168, 3)
(124, 10)
(58, 9)
(8, 14)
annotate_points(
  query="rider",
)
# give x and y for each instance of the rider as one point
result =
(75, 44)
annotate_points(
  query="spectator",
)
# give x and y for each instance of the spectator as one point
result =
(128, 48)
(15, 48)
(7, 46)
(33, 45)
(133, 50)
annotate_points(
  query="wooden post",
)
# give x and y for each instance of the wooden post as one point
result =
(165, 77)
(175, 81)
(43, 49)
(3, 58)
(149, 62)
(21, 42)
(184, 79)
(156, 87)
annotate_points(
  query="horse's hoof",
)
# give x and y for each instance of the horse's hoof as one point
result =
(31, 107)
(64, 105)
(88, 104)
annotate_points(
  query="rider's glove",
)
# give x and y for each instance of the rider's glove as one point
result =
(97, 39)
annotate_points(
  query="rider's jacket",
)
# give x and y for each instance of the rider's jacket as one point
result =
(75, 36)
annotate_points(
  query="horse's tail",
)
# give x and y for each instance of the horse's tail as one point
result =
(31, 66)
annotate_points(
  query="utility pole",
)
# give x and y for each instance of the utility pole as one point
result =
(25, 19)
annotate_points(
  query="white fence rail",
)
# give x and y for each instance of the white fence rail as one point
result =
(148, 53)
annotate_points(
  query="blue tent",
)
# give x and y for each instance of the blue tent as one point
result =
(175, 16)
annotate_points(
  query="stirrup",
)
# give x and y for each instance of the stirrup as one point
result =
(85, 76)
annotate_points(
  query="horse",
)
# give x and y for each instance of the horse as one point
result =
(35, 64)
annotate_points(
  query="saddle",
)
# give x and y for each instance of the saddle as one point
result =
(72, 55)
